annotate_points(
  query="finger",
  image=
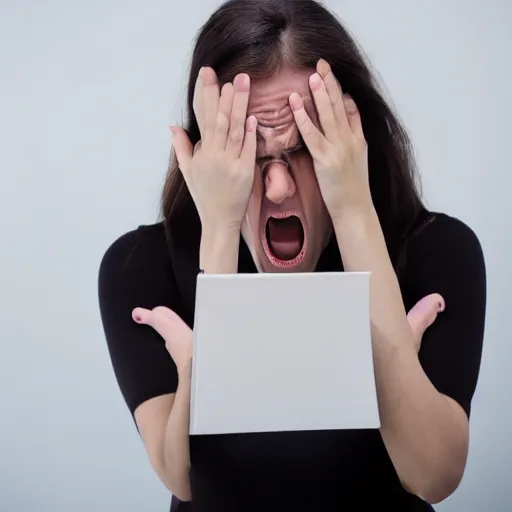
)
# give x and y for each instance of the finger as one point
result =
(208, 102)
(424, 314)
(248, 153)
(223, 115)
(311, 135)
(334, 92)
(354, 117)
(141, 315)
(197, 103)
(323, 106)
(242, 85)
(182, 147)
(163, 320)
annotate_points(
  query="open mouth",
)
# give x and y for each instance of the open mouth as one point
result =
(284, 240)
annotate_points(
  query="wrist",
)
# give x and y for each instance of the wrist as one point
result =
(358, 216)
(185, 372)
(218, 253)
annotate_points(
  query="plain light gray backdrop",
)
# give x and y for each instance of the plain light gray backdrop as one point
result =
(87, 91)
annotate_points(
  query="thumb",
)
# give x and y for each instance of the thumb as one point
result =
(182, 147)
(424, 314)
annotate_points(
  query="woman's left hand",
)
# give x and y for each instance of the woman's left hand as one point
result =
(423, 315)
(338, 147)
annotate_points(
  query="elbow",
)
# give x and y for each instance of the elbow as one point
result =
(438, 492)
(441, 485)
(178, 483)
(439, 475)
(179, 487)
(182, 494)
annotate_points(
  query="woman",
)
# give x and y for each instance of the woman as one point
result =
(292, 161)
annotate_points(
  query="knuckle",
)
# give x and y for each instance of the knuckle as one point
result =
(236, 134)
(222, 121)
(302, 121)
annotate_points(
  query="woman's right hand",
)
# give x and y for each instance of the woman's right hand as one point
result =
(175, 332)
(219, 171)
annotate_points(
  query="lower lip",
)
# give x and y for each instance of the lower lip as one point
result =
(284, 264)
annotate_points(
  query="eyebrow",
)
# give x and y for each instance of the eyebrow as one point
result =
(284, 154)
(300, 145)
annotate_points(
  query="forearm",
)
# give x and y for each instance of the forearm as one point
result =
(420, 427)
(218, 255)
(176, 442)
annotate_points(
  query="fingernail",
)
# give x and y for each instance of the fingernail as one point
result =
(172, 129)
(315, 80)
(252, 122)
(350, 105)
(242, 82)
(295, 101)
(323, 67)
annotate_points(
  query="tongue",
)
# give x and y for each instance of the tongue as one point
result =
(285, 237)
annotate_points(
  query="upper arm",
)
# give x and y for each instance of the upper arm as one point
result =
(447, 258)
(136, 271)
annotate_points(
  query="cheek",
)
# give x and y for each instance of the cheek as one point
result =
(305, 179)
(309, 191)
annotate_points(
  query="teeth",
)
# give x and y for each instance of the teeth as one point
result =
(282, 216)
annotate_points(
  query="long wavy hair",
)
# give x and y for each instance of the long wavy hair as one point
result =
(262, 37)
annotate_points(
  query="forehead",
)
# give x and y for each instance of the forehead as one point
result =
(268, 98)
(281, 84)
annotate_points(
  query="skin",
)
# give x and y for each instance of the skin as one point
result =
(425, 432)
(163, 421)
(284, 179)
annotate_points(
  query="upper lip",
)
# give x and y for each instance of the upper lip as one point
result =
(283, 215)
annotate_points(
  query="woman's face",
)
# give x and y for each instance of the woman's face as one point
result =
(287, 224)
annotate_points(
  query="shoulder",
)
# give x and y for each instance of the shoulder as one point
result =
(439, 229)
(136, 271)
(442, 240)
(445, 252)
(144, 245)
(136, 263)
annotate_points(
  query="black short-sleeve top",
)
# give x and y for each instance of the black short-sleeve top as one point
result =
(294, 471)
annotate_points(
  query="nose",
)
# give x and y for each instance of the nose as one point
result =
(279, 184)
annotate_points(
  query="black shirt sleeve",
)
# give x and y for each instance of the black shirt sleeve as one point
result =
(446, 257)
(134, 272)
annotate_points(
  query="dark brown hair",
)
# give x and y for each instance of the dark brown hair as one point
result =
(261, 37)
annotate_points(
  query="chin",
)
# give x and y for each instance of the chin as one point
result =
(264, 265)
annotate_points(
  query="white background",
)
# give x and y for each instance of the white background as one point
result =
(87, 90)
